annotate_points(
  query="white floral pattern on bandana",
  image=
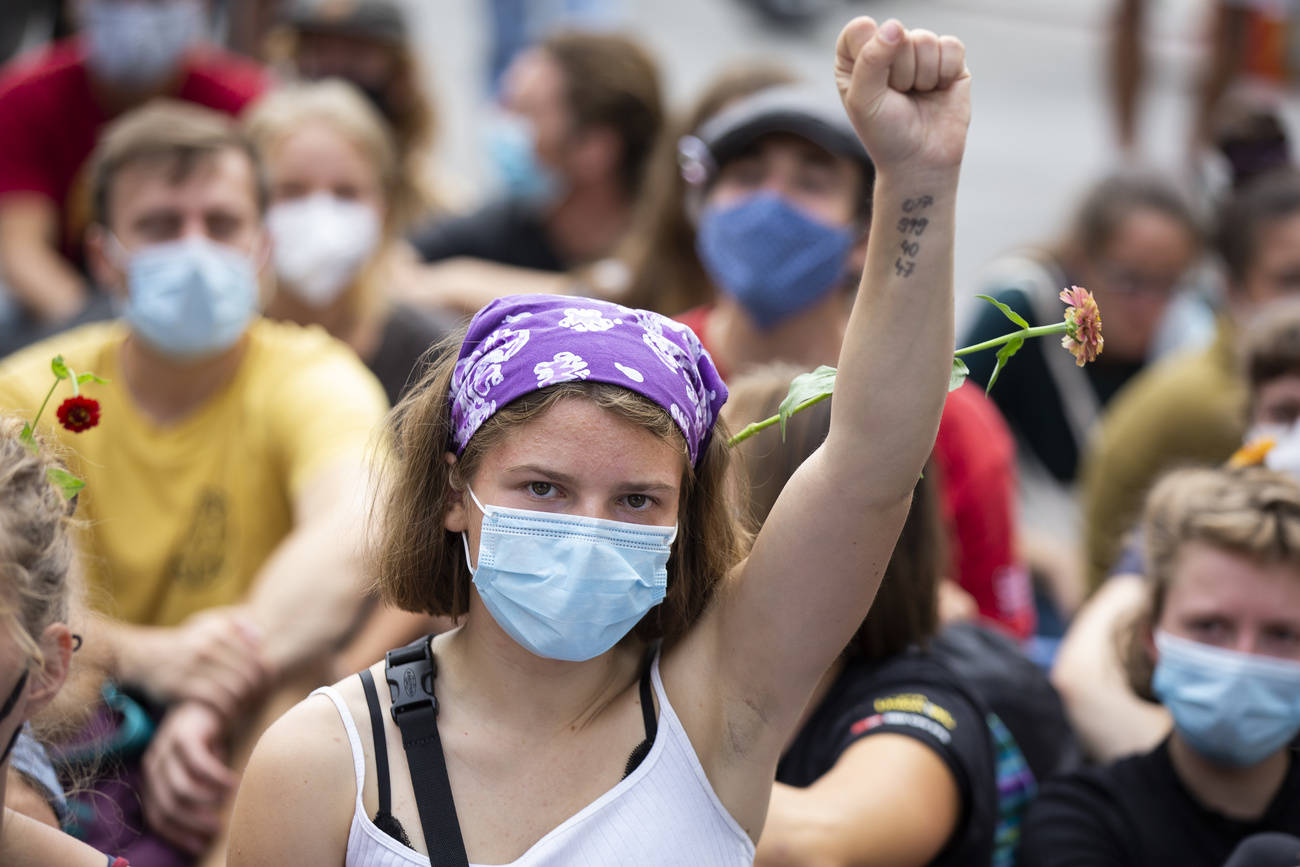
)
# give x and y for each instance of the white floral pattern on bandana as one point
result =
(565, 367)
(587, 320)
(523, 343)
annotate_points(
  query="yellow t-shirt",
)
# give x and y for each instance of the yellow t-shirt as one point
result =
(180, 517)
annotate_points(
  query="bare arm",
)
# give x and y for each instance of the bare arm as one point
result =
(25, 842)
(310, 593)
(295, 802)
(844, 819)
(1110, 720)
(816, 564)
(43, 281)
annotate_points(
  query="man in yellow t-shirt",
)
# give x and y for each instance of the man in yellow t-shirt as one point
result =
(226, 483)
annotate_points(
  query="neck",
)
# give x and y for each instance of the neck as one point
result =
(114, 100)
(357, 325)
(589, 222)
(1238, 793)
(808, 339)
(495, 678)
(165, 389)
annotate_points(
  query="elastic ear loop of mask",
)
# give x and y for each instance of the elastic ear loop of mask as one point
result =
(464, 536)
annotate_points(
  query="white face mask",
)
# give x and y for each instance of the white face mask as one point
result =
(136, 45)
(321, 244)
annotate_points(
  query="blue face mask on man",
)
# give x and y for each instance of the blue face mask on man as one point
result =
(567, 586)
(1235, 709)
(192, 298)
(771, 257)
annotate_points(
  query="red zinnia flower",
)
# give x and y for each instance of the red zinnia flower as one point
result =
(78, 413)
(1083, 325)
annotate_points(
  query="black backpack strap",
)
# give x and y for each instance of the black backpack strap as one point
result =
(410, 672)
(381, 742)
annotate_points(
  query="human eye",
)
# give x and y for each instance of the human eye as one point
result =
(638, 502)
(1210, 630)
(542, 490)
(1282, 640)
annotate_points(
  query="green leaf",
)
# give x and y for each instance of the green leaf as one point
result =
(60, 369)
(1006, 311)
(68, 484)
(28, 438)
(805, 390)
(1010, 348)
(83, 378)
(959, 373)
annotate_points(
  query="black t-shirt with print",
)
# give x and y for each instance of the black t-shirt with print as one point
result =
(912, 695)
(1137, 812)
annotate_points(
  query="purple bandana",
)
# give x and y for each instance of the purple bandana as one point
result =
(523, 343)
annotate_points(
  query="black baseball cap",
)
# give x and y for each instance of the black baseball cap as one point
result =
(794, 109)
(379, 21)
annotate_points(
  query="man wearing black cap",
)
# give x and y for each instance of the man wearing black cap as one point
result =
(781, 197)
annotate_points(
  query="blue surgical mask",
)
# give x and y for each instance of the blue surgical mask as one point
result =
(512, 146)
(566, 586)
(192, 298)
(136, 45)
(1235, 709)
(771, 257)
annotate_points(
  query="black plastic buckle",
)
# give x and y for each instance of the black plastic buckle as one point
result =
(410, 671)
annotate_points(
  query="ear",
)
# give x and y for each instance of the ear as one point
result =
(101, 262)
(1149, 643)
(457, 518)
(56, 645)
(596, 155)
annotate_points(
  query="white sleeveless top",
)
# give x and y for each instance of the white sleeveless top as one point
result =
(665, 812)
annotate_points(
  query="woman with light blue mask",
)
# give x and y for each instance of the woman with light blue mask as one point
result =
(1219, 647)
(624, 676)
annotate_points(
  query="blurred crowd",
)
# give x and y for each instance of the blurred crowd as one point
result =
(1086, 649)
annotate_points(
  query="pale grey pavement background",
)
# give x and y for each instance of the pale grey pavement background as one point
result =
(1042, 128)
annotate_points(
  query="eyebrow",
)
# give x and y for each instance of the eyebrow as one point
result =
(566, 479)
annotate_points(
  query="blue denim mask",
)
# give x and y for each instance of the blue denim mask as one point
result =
(566, 586)
(192, 298)
(770, 256)
(1235, 709)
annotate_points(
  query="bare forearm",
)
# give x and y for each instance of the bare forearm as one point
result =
(43, 281)
(897, 352)
(309, 596)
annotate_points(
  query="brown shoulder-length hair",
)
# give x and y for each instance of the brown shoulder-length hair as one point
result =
(422, 565)
(665, 271)
(1249, 510)
(905, 612)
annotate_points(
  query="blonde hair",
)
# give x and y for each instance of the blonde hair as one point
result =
(422, 565)
(36, 544)
(1250, 511)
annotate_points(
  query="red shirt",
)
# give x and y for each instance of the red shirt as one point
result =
(50, 120)
(975, 454)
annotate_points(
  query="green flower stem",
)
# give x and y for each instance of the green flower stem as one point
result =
(749, 430)
(49, 394)
(1040, 331)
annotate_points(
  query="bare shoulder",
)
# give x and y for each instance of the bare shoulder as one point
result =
(296, 799)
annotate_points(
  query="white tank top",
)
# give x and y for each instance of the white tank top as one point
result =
(665, 812)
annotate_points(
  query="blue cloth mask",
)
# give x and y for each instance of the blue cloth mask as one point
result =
(191, 298)
(771, 257)
(1235, 709)
(512, 145)
(566, 586)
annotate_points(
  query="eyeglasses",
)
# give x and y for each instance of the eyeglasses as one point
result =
(12, 701)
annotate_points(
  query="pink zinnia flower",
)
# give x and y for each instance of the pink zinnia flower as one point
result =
(1083, 325)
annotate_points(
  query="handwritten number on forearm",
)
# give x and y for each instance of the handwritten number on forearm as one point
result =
(915, 227)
